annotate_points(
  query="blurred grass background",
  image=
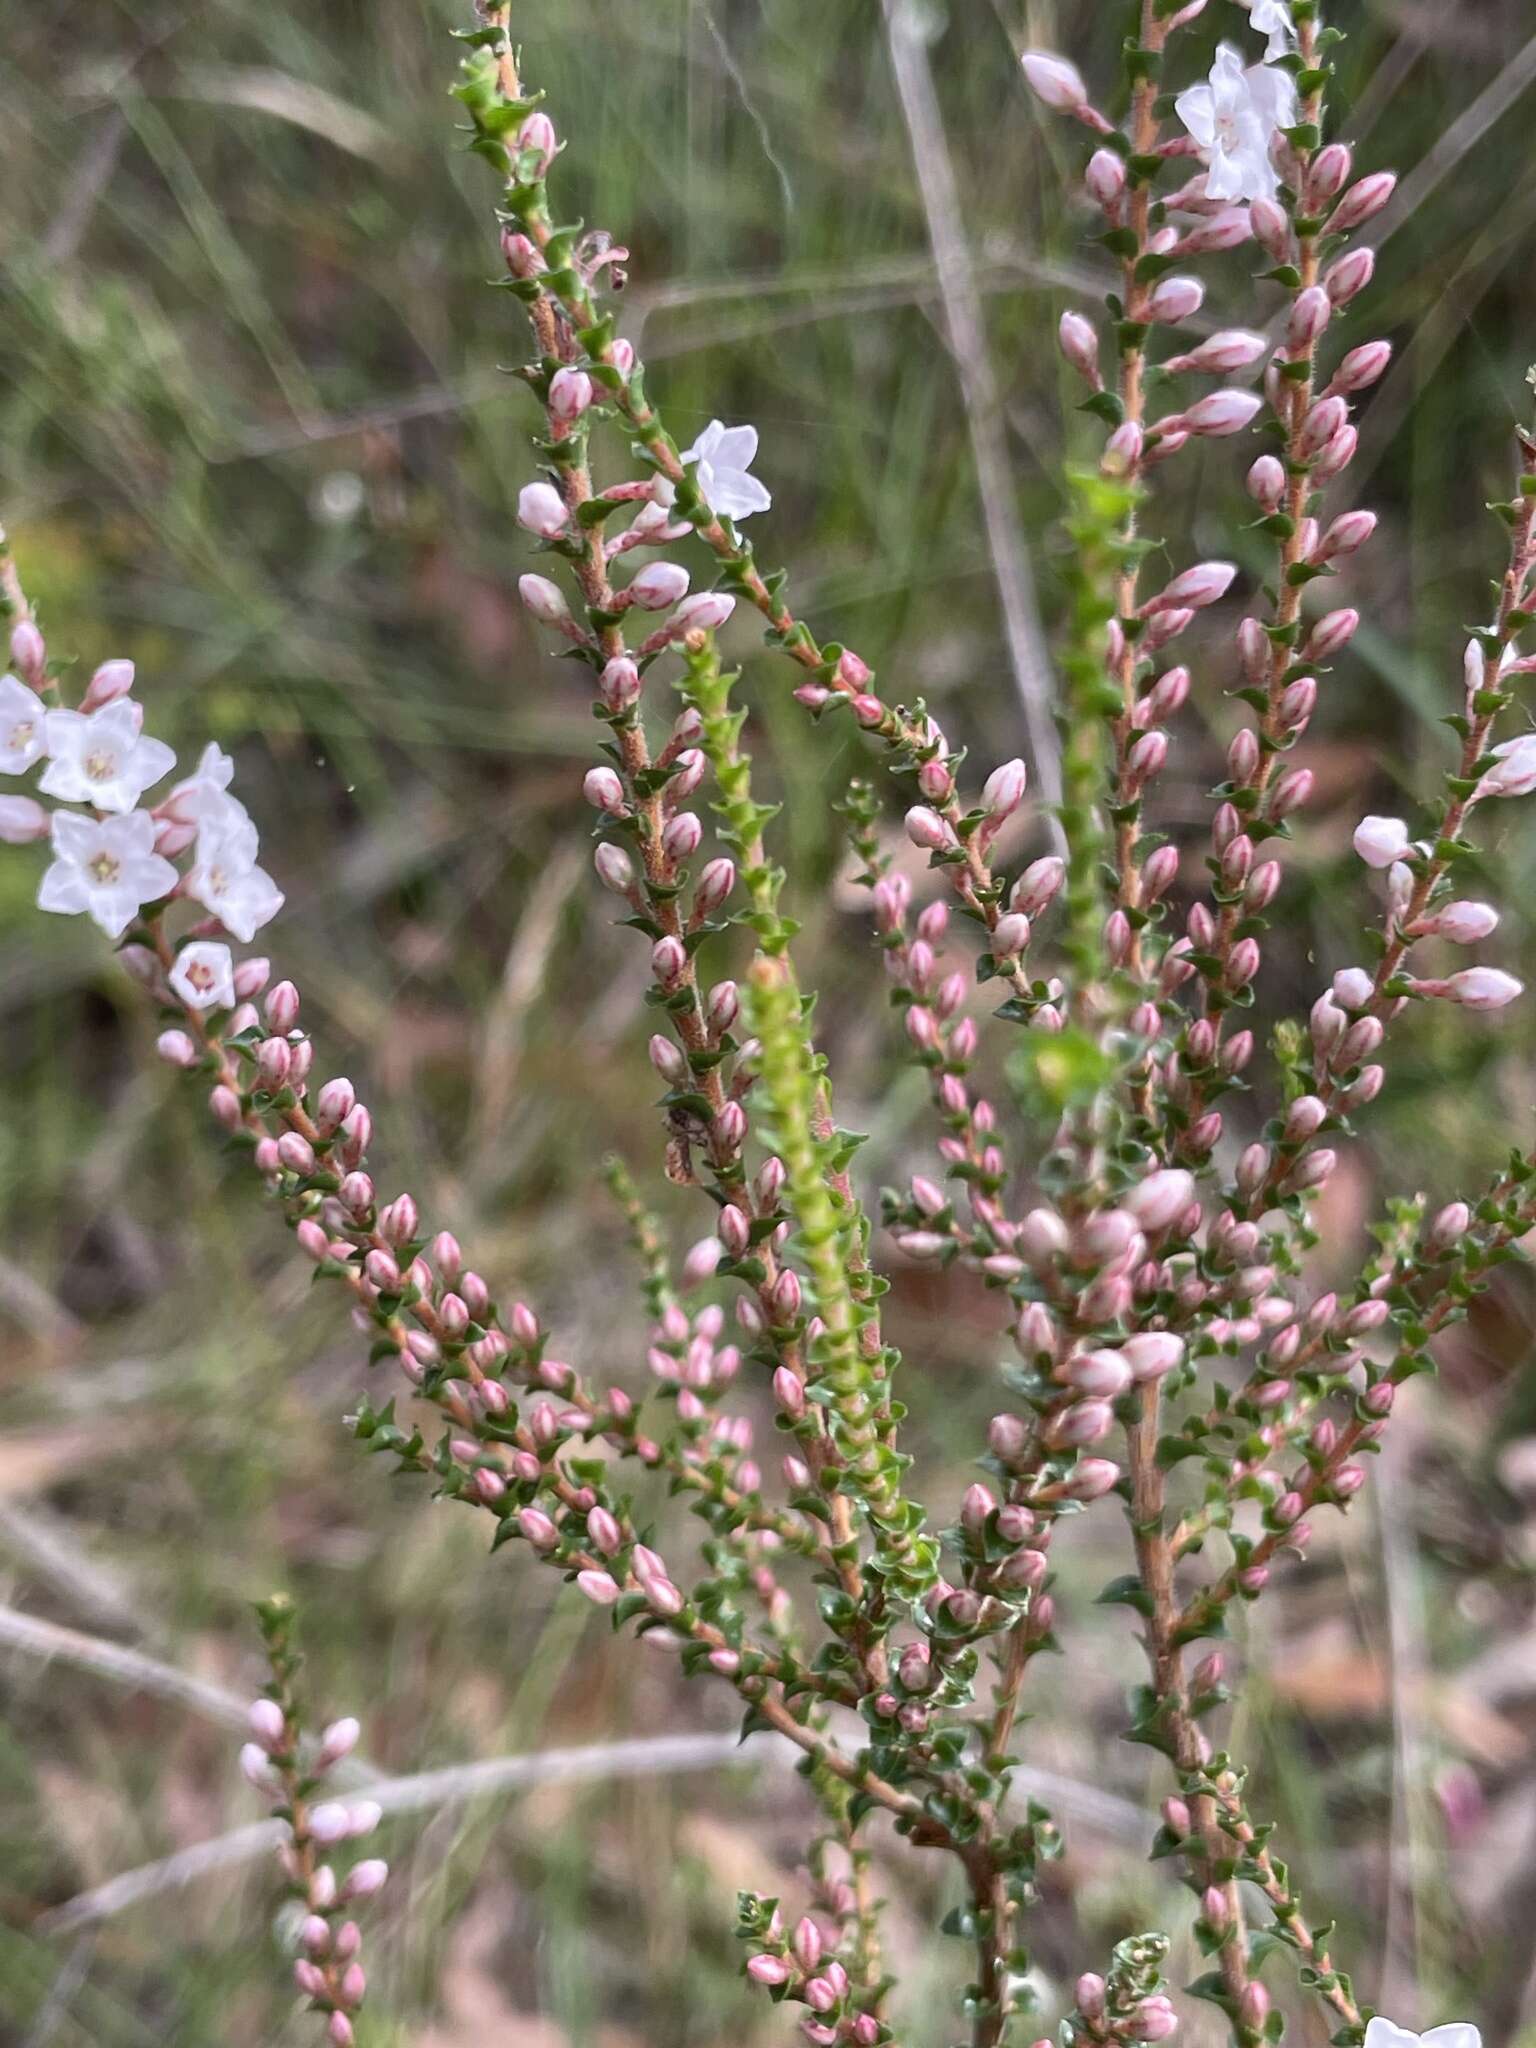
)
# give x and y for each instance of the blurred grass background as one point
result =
(254, 432)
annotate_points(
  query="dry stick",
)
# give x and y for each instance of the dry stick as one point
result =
(967, 332)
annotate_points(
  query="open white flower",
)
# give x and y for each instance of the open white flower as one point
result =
(204, 799)
(1234, 118)
(106, 867)
(102, 757)
(1273, 18)
(204, 975)
(724, 455)
(1455, 2034)
(22, 713)
(226, 880)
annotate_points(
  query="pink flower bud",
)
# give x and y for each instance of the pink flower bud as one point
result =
(1233, 348)
(1193, 589)
(1381, 841)
(364, 1879)
(1037, 886)
(1226, 230)
(615, 870)
(1160, 1199)
(1362, 202)
(1332, 633)
(1349, 276)
(176, 1049)
(541, 510)
(1352, 989)
(296, 1153)
(1003, 790)
(1103, 1375)
(715, 885)
(266, 1723)
(1091, 1478)
(28, 652)
(1463, 923)
(1222, 412)
(619, 684)
(658, 586)
(538, 135)
(1152, 1355)
(1174, 300)
(1104, 177)
(1266, 483)
(1322, 423)
(544, 599)
(1347, 534)
(1272, 227)
(705, 612)
(1481, 988)
(1055, 81)
(768, 1970)
(570, 393)
(1362, 367)
(1311, 310)
(926, 829)
(1080, 343)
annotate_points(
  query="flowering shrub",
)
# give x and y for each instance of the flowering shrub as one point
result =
(1146, 1246)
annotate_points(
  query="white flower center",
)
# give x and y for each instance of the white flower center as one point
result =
(1227, 133)
(218, 882)
(100, 765)
(20, 735)
(104, 868)
(200, 976)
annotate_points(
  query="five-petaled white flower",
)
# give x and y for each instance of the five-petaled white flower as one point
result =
(106, 867)
(1272, 18)
(102, 757)
(1234, 117)
(1455, 2034)
(225, 879)
(204, 975)
(21, 726)
(724, 455)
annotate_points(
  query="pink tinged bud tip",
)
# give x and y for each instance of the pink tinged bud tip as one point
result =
(658, 586)
(1054, 81)
(705, 612)
(1175, 299)
(1480, 988)
(541, 510)
(1381, 841)
(364, 1879)
(1079, 344)
(570, 393)
(22, 821)
(1222, 412)
(544, 599)
(926, 829)
(267, 1724)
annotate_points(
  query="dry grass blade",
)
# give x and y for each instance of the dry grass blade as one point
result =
(967, 332)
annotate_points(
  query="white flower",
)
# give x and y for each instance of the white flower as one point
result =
(204, 976)
(22, 713)
(225, 879)
(1455, 2034)
(1272, 18)
(204, 799)
(101, 757)
(724, 455)
(1234, 118)
(106, 867)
